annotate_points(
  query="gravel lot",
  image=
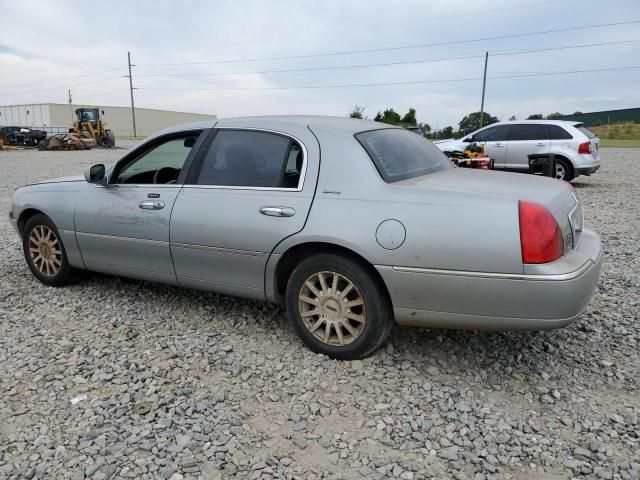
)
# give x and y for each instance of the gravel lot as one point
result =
(181, 384)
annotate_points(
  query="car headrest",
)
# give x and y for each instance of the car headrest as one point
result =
(299, 162)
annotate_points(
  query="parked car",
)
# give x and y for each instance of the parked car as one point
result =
(21, 136)
(352, 225)
(509, 144)
(66, 141)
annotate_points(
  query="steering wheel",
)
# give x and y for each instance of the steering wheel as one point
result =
(166, 176)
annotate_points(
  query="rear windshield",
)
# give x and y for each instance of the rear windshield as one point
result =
(399, 154)
(586, 131)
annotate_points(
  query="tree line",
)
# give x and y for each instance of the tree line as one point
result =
(468, 124)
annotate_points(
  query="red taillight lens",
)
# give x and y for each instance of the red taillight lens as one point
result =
(584, 147)
(540, 236)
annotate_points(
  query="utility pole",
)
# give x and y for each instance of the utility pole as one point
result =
(484, 84)
(133, 108)
(71, 107)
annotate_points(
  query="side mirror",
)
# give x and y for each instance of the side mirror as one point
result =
(95, 174)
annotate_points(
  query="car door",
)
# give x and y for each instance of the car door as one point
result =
(254, 188)
(526, 139)
(494, 139)
(122, 227)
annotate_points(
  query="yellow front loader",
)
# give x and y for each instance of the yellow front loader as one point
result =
(88, 124)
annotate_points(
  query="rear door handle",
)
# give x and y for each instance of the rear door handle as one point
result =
(541, 144)
(151, 205)
(278, 211)
(499, 145)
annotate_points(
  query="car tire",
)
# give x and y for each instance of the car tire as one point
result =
(45, 253)
(347, 322)
(563, 170)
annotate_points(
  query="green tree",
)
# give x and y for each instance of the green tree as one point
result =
(389, 116)
(536, 116)
(555, 116)
(472, 121)
(577, 112)
(357, 112)
(409, 118)
(446, 132)
(425, 128)
(512, 118)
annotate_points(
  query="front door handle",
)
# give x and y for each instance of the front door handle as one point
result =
(278, 211)
(541, 144)
(151, 205)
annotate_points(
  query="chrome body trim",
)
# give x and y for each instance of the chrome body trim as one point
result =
(126, 239)
(218, 249)
(507, 276)
(174, 244)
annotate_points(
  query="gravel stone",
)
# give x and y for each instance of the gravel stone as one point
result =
(183, 384)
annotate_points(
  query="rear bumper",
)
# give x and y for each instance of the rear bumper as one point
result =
(587, 170)
(550, 298)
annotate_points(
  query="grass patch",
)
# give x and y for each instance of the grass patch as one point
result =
(619, 131)
(619, 143)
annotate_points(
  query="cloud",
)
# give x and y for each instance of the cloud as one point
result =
(60, 47)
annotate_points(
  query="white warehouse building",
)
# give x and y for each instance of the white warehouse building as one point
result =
(58, 117)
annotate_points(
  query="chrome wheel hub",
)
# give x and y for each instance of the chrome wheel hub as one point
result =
(560, 172)
(45, 250)
(332, 308)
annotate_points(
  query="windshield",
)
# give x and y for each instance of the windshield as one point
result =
(399, 154)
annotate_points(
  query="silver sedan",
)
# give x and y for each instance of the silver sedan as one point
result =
(352, 225)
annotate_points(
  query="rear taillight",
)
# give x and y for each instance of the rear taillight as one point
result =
(584, 147)
(540, 236)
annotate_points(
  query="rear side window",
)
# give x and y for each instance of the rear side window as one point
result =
(556, 132)
(529, 131)
(399, 154)
(586, 131)
(252, 159)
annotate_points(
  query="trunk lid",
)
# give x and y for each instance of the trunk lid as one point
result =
(556, 195)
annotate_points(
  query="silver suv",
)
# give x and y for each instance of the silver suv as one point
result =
(510, 144)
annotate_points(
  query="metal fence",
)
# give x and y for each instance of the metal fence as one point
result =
(594, 119)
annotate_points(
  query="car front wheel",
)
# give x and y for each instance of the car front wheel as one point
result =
(45, 253)
(338, 306)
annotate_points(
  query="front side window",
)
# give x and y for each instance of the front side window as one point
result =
(399, 154)
(161, 164)
(247, 158)
(529, 131)
(499, 133)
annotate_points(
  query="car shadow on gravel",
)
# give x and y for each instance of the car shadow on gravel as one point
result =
(454, 351)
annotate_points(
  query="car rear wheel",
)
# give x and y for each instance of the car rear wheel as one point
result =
(564, 171)
(45, 253)
(338, 307)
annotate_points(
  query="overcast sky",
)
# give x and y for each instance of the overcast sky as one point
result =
(40, 49)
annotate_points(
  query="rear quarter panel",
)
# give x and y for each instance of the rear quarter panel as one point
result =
(445, 229)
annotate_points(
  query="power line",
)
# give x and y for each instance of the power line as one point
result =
(413, 82)
(404, 47)
(368, 65)
(365, 27)
(60, 79)
(59, 87)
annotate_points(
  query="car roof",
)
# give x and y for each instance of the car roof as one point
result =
(548, 122)
(277, 122)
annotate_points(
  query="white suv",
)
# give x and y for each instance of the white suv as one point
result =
(510, 144)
